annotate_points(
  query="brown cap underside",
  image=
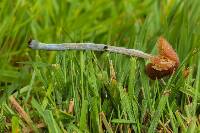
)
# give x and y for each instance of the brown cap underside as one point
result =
(163, 64)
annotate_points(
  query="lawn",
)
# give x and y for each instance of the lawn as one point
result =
(87, 91)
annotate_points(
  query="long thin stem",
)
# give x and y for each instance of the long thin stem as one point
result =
(88, 46)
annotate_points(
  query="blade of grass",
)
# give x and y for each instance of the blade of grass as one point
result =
(15, 125)
(47, 116)
(105, 122)
(157, 114)
(84, 115)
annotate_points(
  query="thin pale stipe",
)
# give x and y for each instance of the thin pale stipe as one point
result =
(88, 46)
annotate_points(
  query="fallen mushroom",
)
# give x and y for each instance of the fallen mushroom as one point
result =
(164, 64)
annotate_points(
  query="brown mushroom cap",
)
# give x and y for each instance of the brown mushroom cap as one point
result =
(165, 63)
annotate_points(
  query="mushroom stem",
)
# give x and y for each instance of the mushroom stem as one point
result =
(88, 46)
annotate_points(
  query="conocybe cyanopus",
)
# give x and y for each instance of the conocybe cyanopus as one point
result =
(164, 64)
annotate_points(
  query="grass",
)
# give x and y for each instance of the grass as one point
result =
(107, 92)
